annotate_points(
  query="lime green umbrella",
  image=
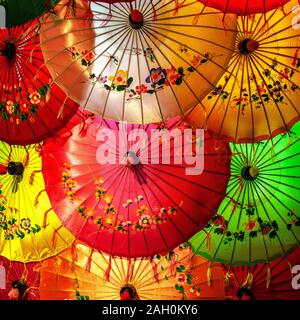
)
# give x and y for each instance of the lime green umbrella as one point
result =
(259, 220)
(17, 12)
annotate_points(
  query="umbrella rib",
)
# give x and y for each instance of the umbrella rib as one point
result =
(128, 35)
(144, 34)
(258, 217)
(150, 31)
(261, 100)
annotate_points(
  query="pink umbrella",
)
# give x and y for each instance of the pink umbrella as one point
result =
(134, 208)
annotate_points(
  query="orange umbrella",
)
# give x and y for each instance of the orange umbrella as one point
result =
(74, 276)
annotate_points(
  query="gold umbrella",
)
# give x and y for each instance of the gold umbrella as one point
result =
(258, 96)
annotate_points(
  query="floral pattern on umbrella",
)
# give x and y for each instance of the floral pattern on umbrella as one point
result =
(257, 98)
(81, 274)
(32, 107)
(29, 229)
(137, 67)
(259, 220)
(127, 208)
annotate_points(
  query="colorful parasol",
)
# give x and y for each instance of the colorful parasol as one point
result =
(32, 107)
(244, 7)
(147, 63)
(265, 282)
(174, 277)
(259, 221)
(29, 229)
(257, 98)
(140, 198)
(18, 12)
(21, 281)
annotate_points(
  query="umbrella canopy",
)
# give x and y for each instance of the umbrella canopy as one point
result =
(18, 12)
(32, 107)
(20, 276)
(29, 229)
(259, 221)
(123, 204)
(257, 98)
(170, 277)
(146, 64)
(244, 7)
(264, 282)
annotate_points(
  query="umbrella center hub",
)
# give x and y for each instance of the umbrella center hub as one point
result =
(128, 292)
(249, 173)
(15, 168)
(9, 50)
(136, 19)
(248, 46)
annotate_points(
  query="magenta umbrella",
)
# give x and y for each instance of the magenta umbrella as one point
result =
(134, 208)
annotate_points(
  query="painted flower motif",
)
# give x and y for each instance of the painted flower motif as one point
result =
(145, 221)
(24, 106)
(108, 198)
(181, 278)
(10, 108)
(65, 176)
(172, 76)
(139, 198)
(265, 228)
(156, 74)
(2, 218)
(99, 181)
(25, 223)
(13, 229)
(195, 61)
(149, 54)
(70, 184)
(141, 89)
(102, 79)
(100, 192)
(35, 98)
(88, 56)
(109, 220)
(3, 200)
(250, 225)
(120, 78)
(219, 221)
(90, 212)
(110, 209)
(142, 210)
(163, 211)
(172, 211)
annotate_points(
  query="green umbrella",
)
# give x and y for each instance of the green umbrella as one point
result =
(18, 12)
(259, 220)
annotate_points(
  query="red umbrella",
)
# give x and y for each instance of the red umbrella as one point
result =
(18, 281)
(244, 7)
(263, 281)
(32, 107)
(133, 209)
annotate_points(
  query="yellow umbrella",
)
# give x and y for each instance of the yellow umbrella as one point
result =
(81, 274)
(258, 96)
(147, 63)
(29, 229)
